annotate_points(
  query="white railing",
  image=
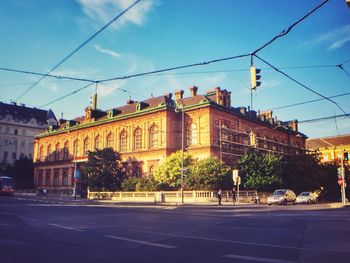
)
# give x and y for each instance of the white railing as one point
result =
(171, 196)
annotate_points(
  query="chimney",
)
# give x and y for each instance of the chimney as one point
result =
(179, 94)
(168, 94)
(94, 101)
(294, 125)
(130, 101)
(193, 91)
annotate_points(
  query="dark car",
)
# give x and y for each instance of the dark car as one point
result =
(6, 186)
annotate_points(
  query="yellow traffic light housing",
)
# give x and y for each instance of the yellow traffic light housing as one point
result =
(254, 77)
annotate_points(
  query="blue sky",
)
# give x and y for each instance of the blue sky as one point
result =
(155, 34)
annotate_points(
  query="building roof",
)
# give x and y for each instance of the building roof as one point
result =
(333, 141)
(166, 102)
(25, 114)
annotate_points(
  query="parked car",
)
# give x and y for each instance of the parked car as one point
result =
(6, 186)
(306, 198)
(282, 197)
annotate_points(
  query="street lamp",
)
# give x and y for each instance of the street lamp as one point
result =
(182, 147)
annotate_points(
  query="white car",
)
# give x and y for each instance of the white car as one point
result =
(306, 198)
(282, 197)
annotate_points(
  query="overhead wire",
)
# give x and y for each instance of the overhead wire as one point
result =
(309, 101)
(173, 68)
(67, 95)
(76, 49)
(283, 33)
(286, 31)
(324, 118)
(45, 74)
(301, 84)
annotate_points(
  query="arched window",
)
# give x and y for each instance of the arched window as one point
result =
(138, 139)
(109, 141)
(41, 153)
(97, 142)
(153, 137)
(192, 134)
(49, 152)
(123, 141)
(86, 145)
(76, 148)
(66, 151)
(152, 168)
(57, 152)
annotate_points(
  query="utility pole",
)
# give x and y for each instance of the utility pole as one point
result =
(182, 152)
(342, 187)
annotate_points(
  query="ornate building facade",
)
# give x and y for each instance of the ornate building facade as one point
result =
(146, 132)
(331, 149)
(18, 126)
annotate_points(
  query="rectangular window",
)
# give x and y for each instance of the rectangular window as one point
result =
(56, 173)
(40, 178)
(48, 177)
(65, 176)
(5, 155)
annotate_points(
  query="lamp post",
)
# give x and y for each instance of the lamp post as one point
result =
(181, 108)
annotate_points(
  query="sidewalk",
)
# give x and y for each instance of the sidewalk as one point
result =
(53, 198)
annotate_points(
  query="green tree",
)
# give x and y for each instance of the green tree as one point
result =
(22, 173)
(259, 170)
(147, 183)
(302, 172)
(104, 170)
(208, 174)
(168, 173)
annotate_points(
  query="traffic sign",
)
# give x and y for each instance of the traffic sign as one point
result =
(236, 178)
(77, 174)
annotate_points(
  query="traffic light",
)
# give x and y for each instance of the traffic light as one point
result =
(346, 156)
(254, 77)
(253, 139)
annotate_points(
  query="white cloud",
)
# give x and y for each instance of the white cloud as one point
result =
(107, 51)
(105, 10)
(54, 88)
(105, 90)
(334, 39)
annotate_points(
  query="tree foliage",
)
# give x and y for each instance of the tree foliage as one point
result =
(104, 170)
(208, 174)
(22, 173)
(168, 173)
(259, 170)
(141, 184)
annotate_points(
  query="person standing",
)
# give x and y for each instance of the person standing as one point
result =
(234, 194)
(219, 194)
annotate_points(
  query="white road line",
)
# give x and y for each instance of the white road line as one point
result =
(216, 239)
(260, 259)
(5, 213)
(239, 242)
(67, 227)
(141, 242)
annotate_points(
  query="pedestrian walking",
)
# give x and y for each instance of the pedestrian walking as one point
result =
(219, 194)
(234, 195)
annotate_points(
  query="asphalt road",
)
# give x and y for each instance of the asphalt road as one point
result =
(42, 230)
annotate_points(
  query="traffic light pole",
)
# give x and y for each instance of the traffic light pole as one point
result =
(342, 187)
(182, 153)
